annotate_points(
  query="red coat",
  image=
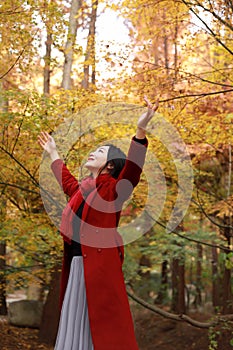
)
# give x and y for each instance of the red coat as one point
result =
(108, 307)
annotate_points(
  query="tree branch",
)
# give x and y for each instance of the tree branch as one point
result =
(19, 127)
(208, 217)
(13, 65)
(34, 181)
(214, 14)
(17, 59)
(188, 238)
(17, 186)
(208, 28)
(196, 95)
(188, 74)
(182, 317)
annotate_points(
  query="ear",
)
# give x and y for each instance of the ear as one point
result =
(110, 166)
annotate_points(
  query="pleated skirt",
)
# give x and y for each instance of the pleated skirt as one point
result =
(74, 328)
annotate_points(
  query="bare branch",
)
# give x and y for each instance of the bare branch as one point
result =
(195, 95)
(17, 186)
(214, 14)
(182, 317)
(208, 28)
(19, 127)
(13, 65)
(209, 217)
(18, 58)
(34, 181)
(189, 238)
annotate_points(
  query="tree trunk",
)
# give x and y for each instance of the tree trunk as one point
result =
(198, 299)
(226, 292)
(178, 286)
(215, 278)
(69, 47)
(3, 307)
(51, 313)
(90, 50)
(47, 61)
(162, 294)
(176, 51)
(227, 297)
(4, 104)
(165, 43)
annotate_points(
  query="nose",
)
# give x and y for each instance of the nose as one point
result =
(91, 155)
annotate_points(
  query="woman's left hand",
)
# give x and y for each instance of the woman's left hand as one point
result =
(146, 117)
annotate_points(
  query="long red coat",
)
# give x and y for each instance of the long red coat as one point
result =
(108, 307)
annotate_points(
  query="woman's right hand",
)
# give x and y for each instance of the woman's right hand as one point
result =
(47, 142)
(146, 117)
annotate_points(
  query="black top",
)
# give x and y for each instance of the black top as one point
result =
(75, 243)
(142, 141)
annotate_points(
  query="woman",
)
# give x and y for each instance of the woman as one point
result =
(95, 311)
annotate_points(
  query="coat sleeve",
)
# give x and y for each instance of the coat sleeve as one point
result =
(67, 181)
(133, 167)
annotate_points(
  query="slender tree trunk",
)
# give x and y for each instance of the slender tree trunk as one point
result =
(176, 51)
(51, 312)
(69, 47)
(162, 294)
(145, 274)
(227, 307)
(165, 43)
(198, 299)
(178, 286)
(47, 61)
(89, 63)
(3, 306)
(166, 53)
(4, 104)
(227, 297)
(215, 278)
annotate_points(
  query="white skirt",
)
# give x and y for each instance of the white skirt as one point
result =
(74, 328)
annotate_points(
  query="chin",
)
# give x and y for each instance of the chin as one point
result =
(88, 166)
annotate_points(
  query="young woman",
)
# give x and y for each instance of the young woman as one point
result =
(95, 312)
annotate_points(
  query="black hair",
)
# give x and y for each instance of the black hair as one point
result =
(117, 158)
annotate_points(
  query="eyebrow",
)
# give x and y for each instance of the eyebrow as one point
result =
(104, 149)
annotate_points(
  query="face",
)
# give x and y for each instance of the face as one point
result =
(97, 159)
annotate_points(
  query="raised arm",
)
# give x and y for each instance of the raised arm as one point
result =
(145, 118)
(47, 142)
(137, 152)
(67, 181)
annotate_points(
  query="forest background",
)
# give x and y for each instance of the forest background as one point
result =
(57, 60)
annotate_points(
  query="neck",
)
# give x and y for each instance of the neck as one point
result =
(96, 173)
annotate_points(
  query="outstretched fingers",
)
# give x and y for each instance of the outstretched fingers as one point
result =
(43, 138)
(150, 105)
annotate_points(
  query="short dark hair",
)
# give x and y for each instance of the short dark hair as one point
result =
(117, 158)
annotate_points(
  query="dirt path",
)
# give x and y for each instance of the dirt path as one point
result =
(153, 333)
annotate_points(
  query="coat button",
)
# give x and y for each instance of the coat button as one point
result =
(84, 255)
(82, 235)
(99, 250)
(96, 230)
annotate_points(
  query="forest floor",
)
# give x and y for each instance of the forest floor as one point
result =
(153, 333)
